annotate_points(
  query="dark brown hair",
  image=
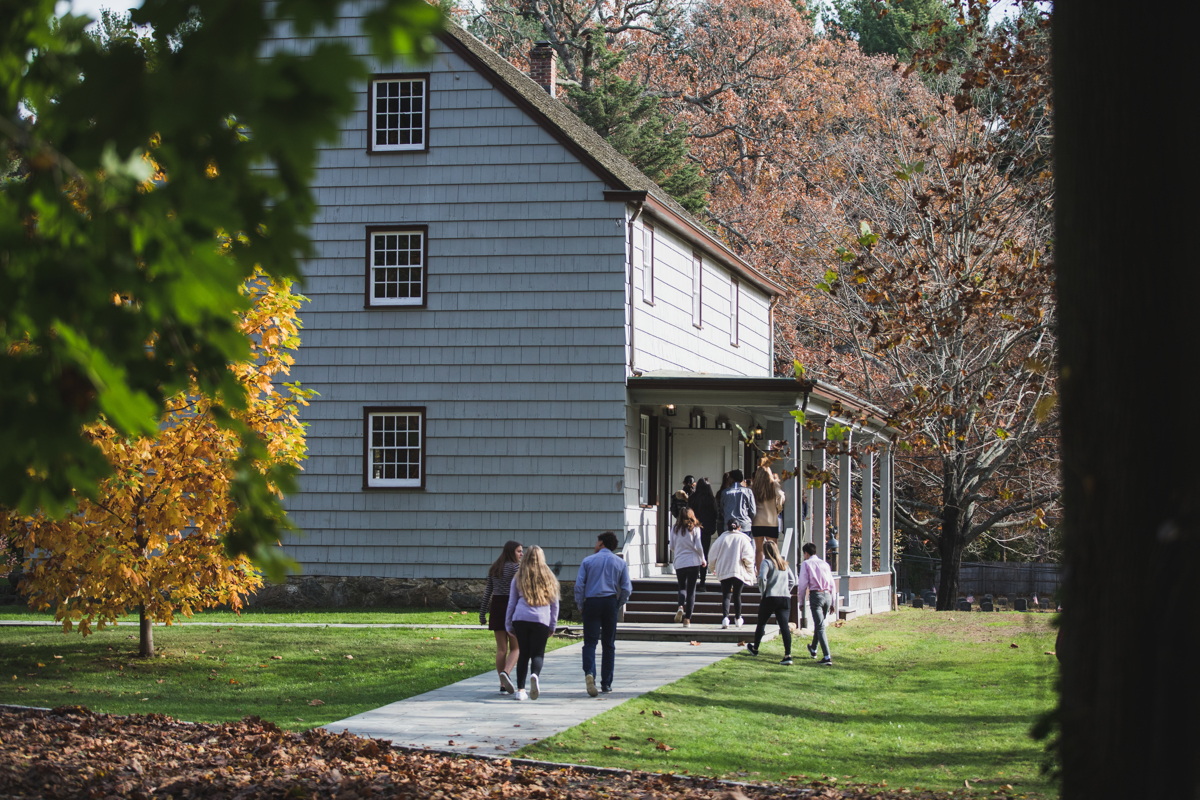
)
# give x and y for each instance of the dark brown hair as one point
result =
(509, 554)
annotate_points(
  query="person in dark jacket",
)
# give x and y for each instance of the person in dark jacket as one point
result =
(679, 501)
(704, 505)
(737, 503)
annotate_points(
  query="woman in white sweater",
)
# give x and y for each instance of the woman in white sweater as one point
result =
(689, 560)
(732, 559)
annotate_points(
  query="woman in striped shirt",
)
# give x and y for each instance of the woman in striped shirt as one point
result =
(494, 606)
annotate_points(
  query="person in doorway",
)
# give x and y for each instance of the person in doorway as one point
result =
(679, 500)
(689, 559)
(726, 482)
(492, 610)
(602, 587)
(531, 616)
(732, 559)
(737, 503)
(704, 505)
(768, 499)
(775, 582)
(831, 548)
(816, 579)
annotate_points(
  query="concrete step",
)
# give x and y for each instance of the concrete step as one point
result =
(697, 619)
(669, 607)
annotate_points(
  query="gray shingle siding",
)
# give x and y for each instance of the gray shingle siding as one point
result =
(518, 357)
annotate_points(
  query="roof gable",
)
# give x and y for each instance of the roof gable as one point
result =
(592, 150)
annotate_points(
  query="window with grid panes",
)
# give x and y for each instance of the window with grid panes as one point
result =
(643, 460)
(395, 451)
(735, 307)
(396, 274)
(648, 263)
(399, 113)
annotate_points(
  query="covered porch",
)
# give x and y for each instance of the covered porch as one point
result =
(693, 424)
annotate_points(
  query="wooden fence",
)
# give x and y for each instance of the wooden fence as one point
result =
(983, 577)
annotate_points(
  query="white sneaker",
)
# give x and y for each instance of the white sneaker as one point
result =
(725, 622)
(740, 622)
(590, 682)
(522, 694)
(534, 689)
(679, 615)
(687, 623)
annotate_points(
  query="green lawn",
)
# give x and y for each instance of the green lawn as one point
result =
(203, 674)
(422, 616)
(916, 698)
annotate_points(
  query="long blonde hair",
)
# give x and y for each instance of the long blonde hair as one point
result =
(763, 485)
(535, 581)
(771, 553)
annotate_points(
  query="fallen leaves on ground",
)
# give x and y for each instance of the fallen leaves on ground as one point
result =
(71, 752)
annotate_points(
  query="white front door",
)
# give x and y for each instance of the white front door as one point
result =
(703, 453)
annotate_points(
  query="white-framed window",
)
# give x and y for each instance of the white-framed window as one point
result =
(399, 113)
(393, 448)
(697, 289)
(643, 460)
(735, 307)
(396, 265)
(648, 263)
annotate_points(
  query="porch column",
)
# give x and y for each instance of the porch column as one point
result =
(795, 493)
(794, 509)
(845, 505)
(868, 511)
(885, 508)
(818, 498)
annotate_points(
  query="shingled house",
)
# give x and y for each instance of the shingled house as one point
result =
(514, 333)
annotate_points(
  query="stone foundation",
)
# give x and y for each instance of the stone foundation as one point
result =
(332, 591)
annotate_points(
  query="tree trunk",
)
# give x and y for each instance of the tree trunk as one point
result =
(1130, 632)
(146, 630)
(951, 550)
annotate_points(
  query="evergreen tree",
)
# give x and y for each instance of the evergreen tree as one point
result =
(633, 123)
(886, 26)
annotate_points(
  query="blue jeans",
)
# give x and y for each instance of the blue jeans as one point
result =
(600, 623)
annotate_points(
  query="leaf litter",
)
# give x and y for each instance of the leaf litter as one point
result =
(83, 754)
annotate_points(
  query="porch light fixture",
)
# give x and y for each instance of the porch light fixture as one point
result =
(758, 432)
(669, 410)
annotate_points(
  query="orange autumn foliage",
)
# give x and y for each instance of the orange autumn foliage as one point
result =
(153, 538)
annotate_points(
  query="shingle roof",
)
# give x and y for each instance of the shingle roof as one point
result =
(585, 143)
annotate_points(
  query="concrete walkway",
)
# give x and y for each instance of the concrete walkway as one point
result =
(472, 716)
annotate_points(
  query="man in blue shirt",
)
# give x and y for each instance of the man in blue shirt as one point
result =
(601, 589)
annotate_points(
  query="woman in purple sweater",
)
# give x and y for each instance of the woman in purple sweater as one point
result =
(532, 614)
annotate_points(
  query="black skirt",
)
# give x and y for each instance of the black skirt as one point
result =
(497, 611)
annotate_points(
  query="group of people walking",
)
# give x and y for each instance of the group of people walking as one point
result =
(521, 602)
(747, 552)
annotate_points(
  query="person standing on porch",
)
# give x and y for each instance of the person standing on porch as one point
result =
(492, 611)
(531, 615)
(816, 579)
(679, 501)
(775, 581)
(704, 505)
(602, 587)
(732, 558)
(737, 503)
(689, 559)
(769, 499)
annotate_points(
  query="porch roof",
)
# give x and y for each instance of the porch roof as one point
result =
(773, 398)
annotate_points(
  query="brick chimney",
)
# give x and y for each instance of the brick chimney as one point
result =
(543, 66)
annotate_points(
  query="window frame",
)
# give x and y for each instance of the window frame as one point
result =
(372, 82)
(369, 300)
(643, 460)
(368, 412)
(735, 309)
(647, 263)
(697, 290)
